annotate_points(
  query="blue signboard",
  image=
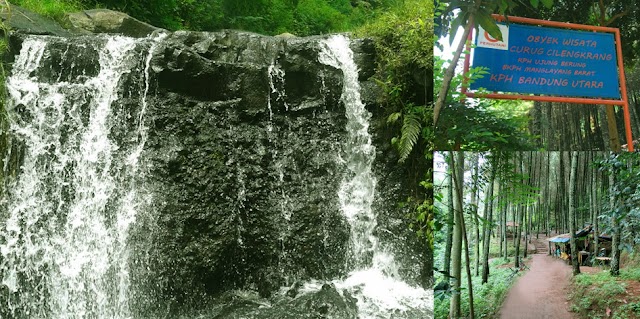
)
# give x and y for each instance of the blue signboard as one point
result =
(549, 61)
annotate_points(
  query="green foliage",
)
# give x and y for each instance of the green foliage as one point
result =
(197, 15)
(481, 11)
(54, 9)
(592, 294)
(404, 45)
(423, 218)
(489, 124)
(627, 311)
(318, 16)
(412, 126)
(494, 250)
(300, 17)
(404, 38)
(161, 13)
(626, 189)
(487, 297)
(630, 274)
(474, 128)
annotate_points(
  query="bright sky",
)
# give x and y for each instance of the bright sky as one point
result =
(447, 53)
(440, 175)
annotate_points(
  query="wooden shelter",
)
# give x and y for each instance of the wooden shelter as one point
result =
(560, 247)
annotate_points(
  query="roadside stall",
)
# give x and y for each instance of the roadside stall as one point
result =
(560, 247)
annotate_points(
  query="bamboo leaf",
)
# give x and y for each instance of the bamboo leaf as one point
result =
(489, 24)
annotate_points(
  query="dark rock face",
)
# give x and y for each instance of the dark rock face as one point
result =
(245, 135)
(394, 187)
(245, 164)
(327, 303)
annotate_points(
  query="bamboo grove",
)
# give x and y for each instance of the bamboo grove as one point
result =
(493, 205)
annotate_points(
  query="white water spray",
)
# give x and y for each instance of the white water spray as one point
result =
(374, 280)
(358, 186)
(64, 250)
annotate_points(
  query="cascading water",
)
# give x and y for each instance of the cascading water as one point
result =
(245, 199)
(374, 279)
(277, 94)
(358, 186)
(63, 248)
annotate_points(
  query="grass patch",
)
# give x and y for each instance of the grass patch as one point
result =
(54, 9)
(628, 311)
(593, 294)
(487, 298)
(630, 274)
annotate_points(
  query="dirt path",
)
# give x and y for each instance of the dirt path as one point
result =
(541, 293)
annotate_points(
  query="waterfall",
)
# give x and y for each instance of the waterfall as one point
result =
(358, 187)
(63, 247)
(374, 278)
(155, 177)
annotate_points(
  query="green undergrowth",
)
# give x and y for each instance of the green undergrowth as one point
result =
(54, 9)
(601, 295)
(494, 249)
(487, 298)
(404, 53)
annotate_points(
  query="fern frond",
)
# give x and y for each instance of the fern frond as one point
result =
(393, 117)
(410, 132)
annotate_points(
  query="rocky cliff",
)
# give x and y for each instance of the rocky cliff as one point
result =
(244, 138)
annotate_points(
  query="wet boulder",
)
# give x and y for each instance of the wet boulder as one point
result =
(108, 21)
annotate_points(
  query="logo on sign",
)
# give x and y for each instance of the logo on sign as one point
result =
(485, 40)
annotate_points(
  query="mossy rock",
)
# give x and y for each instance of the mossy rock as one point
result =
(108, 21)
(21, 20)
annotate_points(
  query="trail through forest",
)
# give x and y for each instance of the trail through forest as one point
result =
(541, 293)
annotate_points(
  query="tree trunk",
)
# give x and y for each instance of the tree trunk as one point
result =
(518, 217)
(596, 230)
(457, 170)
(615, 242)
(561, 192)
(572, 212)
(448, 75)
(504, 241)
(547, 197)
(450, 218)
(474, 207)
(466, 243)
(489, 216)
